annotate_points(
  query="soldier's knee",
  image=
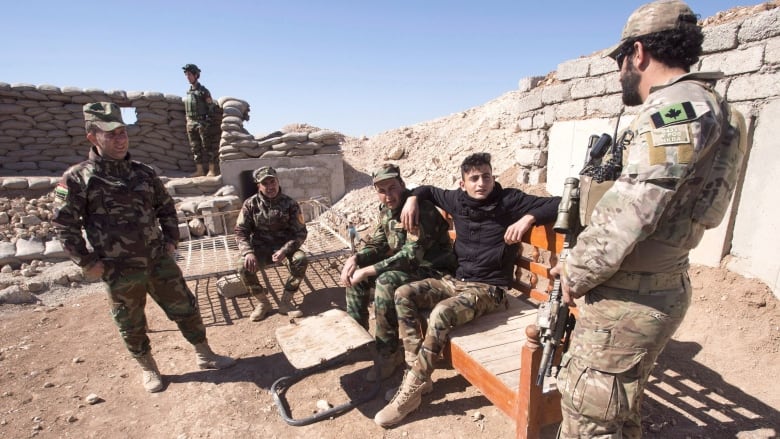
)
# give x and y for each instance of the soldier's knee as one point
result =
(442, 316)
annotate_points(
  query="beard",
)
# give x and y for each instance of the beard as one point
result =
(629, 82)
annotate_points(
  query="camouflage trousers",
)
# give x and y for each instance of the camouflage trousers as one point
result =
(203, 145)
(619, 335)
(385, 285)
(454, 303)
(296, 264)
(163, 281)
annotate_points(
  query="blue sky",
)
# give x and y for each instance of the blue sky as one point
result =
(358, 67)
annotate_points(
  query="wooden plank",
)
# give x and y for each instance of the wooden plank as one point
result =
(313, 340)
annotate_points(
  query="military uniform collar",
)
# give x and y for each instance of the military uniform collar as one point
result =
(694, 76)
(117, 168)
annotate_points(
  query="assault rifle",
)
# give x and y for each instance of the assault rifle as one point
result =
(554, 321)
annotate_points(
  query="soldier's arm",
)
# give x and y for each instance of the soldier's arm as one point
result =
(297, 229)
(165, 210)
(243, 230)
(376, 247)
(68, 221)
(417, 243)
(630, 210)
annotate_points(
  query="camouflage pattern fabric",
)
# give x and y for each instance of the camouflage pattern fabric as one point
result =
(638, 239)
(265, 226)
(647, 213)
(454, 303)
(119, 204)
(200, 109)
(127, 289)
(617, 339)
(413, 256)
(296, 264)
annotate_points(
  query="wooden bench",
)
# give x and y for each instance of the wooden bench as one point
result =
(499, 356)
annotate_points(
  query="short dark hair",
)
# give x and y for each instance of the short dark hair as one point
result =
(680, 47)
(475, 161)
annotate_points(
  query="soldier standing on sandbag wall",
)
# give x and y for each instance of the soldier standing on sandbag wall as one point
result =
(201, 111)
(119, 203)
(270, 229)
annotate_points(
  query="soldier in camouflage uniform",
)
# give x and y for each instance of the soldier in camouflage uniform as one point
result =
(489, 223)
(131, 224)
(683, 153)
(393, 257)
(201, 112)
(270, 229)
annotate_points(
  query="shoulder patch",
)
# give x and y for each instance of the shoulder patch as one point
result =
(61, 191)
(672, 114)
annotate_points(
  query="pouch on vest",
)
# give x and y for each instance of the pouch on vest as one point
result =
(724, 163)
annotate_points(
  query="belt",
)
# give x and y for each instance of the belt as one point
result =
(646, 282)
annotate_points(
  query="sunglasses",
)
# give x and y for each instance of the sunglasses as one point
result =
(622, 54)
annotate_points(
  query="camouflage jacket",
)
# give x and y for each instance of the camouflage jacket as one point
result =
(391, 247)
(645, 222)
(198, 103)
(265, 225)
(119, 204)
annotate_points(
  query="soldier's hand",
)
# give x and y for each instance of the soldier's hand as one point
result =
(250, 263)
(410, 214)
(278, 256)
(515, 232)
(350, 265)
(566, 296)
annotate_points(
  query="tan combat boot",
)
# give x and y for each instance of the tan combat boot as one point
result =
(427, 388)
(205, 358)
(408, 398)
(212, 170)
(262, 308)
(287, 306)
(150, 377)
(387, 365)
(198, 171)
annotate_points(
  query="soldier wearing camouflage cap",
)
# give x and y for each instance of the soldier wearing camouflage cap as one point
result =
(270, 230)
(394, 256)
(119, 203)
(681, 157)
(202, 123)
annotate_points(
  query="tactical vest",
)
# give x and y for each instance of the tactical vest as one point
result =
(195, 105)
(718, 168)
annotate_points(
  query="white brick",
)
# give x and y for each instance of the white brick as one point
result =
(602, 64)
(604, 105)
(552, 94)
(734, 62)
(588, 87)
(720, 38)
(570, 110)
(577, 68)
(772, 51)
(761, 26)
(744, 88)
(531, 157)
(531, 101)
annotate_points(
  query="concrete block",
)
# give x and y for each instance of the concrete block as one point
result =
(570, 110)
(553, 94)
(586, 88)
(760, 26)
(720, 38)
(772, 51)
(751, 87)
(735, 62)
(529, 102)
(577, 68)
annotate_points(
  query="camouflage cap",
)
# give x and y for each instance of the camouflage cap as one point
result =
(262, 173)
(653, 17)
(104, 115)
(386, 172)
(191, 68)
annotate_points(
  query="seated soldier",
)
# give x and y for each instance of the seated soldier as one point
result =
(490, 222)
(393, 257)
(270, 229)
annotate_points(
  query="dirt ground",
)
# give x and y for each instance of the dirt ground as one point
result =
(715, 379)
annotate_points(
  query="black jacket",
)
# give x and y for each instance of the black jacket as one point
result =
(483, 256)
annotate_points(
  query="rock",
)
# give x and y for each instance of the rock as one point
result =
(93, 399)
(323, 405)
(78, 360)
(71, 419)
(36, 286)
(47, 385)
(14, 294)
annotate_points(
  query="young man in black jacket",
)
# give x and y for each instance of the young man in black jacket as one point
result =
(489, 223)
